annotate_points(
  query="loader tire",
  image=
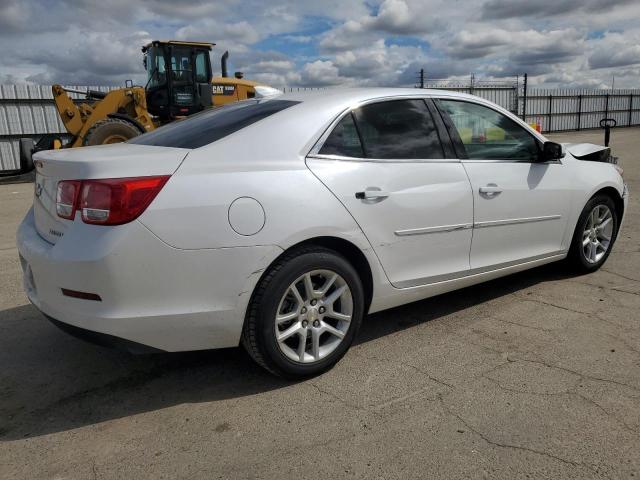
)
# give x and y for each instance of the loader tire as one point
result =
(110, 130)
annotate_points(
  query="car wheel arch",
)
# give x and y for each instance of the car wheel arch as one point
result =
(352, 253)
(608, 189)
(614, 194)
(609, 197)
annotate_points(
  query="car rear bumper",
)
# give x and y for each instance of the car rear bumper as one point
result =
(149, 292)
(103, 339)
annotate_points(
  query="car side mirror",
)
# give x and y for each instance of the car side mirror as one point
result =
(551, 151)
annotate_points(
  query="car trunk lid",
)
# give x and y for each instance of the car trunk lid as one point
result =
(105, 161)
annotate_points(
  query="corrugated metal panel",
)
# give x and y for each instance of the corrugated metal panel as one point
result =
(577, 109)
(29, 111)
(9, 155)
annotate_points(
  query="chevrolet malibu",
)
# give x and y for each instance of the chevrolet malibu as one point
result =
(278, 223)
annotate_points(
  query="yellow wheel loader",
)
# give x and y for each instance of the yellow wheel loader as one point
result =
(179, 83)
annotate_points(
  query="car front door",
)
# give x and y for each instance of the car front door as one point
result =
(385, 162)
(521, 204)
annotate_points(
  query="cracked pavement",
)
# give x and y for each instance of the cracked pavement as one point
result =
(536, 375)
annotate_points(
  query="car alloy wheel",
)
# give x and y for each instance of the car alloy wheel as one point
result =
(305, 312)
(597, 234)
(313, 316)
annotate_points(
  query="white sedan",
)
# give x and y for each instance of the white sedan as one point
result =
(280, 222)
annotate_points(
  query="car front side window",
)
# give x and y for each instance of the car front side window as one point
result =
(489, 135)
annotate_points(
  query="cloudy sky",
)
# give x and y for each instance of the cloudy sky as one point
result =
(571, 43)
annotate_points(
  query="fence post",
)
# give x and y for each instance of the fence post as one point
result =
(422, 78)
(630, 109)
(579, 110)
(549, 113)
(524, 100)
(606, 106)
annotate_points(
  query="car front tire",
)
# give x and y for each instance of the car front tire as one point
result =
(594, 235)
(304, 313)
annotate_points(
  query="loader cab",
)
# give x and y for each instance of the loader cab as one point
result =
(178, 78)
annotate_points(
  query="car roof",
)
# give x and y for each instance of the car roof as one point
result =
(351, 96)
(320, 107)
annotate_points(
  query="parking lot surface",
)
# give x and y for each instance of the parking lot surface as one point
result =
(536, 375)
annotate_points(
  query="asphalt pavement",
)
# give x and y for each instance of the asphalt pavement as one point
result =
(536, 375)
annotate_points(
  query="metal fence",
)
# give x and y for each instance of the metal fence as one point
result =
(505, 94)
(560, 110)
(556, 110)
(29, 111)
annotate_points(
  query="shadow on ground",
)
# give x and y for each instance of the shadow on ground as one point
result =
(52, 382)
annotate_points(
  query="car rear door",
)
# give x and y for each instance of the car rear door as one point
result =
(521, 205)
(386, 163)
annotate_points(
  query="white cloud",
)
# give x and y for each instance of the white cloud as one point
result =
(350, 42)
(93, 58)
(320, 73)
(394, 17)
(495, 9)
(216, 31)
(615, 50)
(298, 38)
(274, 66)
(551, 45)
(14, 16)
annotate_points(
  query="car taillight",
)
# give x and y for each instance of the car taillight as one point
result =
(67, 198)
(114, 201)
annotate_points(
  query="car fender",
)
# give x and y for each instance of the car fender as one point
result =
(588, 179)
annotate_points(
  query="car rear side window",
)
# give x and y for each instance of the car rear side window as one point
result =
(398, 129)
(212, 125)
(344, 140)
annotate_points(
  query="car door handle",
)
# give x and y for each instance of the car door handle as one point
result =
(371, 195)
(490, 190)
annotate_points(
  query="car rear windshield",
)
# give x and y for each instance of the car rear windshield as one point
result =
(212, 125)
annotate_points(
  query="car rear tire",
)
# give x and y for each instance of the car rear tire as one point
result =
(110, 130)
(304, 313)
(594, 235)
